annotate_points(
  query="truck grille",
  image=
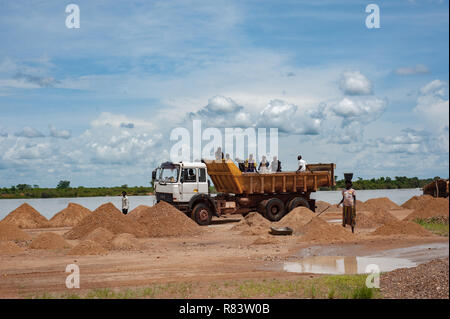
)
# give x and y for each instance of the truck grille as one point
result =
(167, 197)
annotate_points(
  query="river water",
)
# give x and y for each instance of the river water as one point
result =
(50, 206)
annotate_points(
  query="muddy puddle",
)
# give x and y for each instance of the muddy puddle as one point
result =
(318, 260)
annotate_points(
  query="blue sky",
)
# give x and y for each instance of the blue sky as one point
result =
(374, 101)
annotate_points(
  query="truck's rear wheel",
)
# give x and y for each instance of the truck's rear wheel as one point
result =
(296, 202)
(202, 214)
(274, 209)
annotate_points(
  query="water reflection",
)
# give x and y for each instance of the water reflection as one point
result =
(341, 265)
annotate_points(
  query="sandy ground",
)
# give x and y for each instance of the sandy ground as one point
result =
(217, 254)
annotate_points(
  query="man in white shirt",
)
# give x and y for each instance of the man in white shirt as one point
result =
(301, 164)
(125, 203)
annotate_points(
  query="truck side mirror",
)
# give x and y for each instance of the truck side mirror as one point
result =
(154, 175)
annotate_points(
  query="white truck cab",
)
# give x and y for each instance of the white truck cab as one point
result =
(178, 183)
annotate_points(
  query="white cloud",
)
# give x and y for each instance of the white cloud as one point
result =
(359, 110)
(29, 132)
(355, 83)
(65, 134)
(417, 69)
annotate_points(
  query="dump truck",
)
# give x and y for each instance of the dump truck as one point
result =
(185, 185)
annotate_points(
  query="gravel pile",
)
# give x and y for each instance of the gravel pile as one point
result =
(49, 241)
(12, 232)
(25, 216)
(426, 281)
(69, 216)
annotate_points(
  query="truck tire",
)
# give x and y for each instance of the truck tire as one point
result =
(201, 214)
(274, 209)
(296, 202)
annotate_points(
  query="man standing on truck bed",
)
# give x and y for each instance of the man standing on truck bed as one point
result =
(349, 208)
(301, 164)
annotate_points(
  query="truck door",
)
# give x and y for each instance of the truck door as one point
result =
(202, 182)
(189, 180)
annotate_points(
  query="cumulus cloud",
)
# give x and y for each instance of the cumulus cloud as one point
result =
(355, 83)
(29, 132)
(28, 151)
(417, 69)
(289, 119)
(121, 121)
(40, 81)
(65, 134)
(359, 110)
(222, 111)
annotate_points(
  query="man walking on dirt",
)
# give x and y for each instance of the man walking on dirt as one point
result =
(125, 203)
(349, 206)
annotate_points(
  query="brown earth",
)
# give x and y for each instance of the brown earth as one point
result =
(374, 218)
(49, 241)
(163, 220)
(25, 216)
(416, 202)
(69, 216)
(110, 218)
(318, 230)
(296, 219)
(87, 247)
(12, 232)
(9, 247)
(264, 240)
(125, 242)
(401, 228)
(430, 207)
(102, 236)
(380, 203)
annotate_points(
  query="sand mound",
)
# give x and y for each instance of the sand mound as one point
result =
(102, 236)
(88, 247)
(26, 216)
(110, 218)
(137, 212)
(321, 205)
(320, 231)
(432, 207)
(69, 216)
(374, 218)
(125, 242)
(401, 228)
(164, 220)
(9, 247)
(296, 219)
(49, 241)
(255, 230)
(265, 240)
(416, 202)
(380, 203)
(12, 232)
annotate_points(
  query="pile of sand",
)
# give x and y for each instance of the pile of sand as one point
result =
(265, 240)
(163, 220)
(430, 207)
(49, 241)
(110, 218)
(69, 216)
(102, 236)
(26, 216)
(402, 228)
(137, 212)
(383, 203)
(12, 232)
(9, 247)
(296, 219)
(253, 224)
(374, 218)
(321, 205)
(125, 242)
(88, 247)
(318, 230)
(416, 202)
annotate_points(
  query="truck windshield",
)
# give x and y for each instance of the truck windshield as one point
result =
(169, 175)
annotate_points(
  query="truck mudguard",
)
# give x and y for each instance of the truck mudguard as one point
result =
(203, 198)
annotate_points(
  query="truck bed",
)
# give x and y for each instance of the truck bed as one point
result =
(227, 178)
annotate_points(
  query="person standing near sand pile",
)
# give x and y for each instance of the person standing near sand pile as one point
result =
(125, 203)
(349, 206)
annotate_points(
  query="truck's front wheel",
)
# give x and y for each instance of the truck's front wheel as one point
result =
(202, 214)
